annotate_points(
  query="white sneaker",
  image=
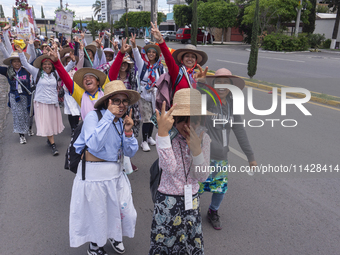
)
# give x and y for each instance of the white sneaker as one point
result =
(151, 141)
(30, 132)
(145, 146)
(23, 140)
(117, 246)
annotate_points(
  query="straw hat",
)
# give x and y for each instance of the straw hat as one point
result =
(64, 51)
(117, 87)
(202, 57)
(189, 103)
(43, 45)
(14, 55)
(37, 61)
(79, 76)
(225, 73)
(92, 47)
(156, 47)
(67, 55)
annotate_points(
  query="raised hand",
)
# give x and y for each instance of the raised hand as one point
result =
(125, 47)
(193, 140)
(7, 26)
(73, 58)
(53, 54)
(18, 48)
(81, 46)
(128, 122)
(82, 36)
(133, 40)
(201, 74)
(156, 33)
(165, 121)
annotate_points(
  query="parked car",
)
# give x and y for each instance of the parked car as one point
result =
(170, 36)
(184, 35)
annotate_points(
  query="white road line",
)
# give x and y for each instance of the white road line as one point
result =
(237, 153)
(231, 62)
(291, 60)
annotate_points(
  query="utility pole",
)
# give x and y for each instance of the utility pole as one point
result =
(61, 4)
(297, 23)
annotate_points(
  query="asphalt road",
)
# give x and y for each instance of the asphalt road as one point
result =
(265, 214)
(315, 71)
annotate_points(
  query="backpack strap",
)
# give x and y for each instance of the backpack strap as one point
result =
(179, 78)
(143, 72)
(99, 115)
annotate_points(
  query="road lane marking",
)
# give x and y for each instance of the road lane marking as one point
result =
(231, 62)
(284, 59)
(325, 106)
(237, 153)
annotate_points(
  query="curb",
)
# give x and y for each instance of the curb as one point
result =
(299, 95)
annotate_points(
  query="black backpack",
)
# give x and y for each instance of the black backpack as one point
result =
(155, 179)
(72, 158)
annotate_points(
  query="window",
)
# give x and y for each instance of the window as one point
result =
(180, 31)
(187, 32)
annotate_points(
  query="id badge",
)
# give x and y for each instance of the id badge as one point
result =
(188, 197)
(120, 156)
(224, 137)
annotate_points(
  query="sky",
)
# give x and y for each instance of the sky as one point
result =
(83, 8)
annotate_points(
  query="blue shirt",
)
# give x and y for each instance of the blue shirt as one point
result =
(103, 139)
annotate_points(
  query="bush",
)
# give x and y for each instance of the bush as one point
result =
(316, 40)
(281, 42)
(327, 44)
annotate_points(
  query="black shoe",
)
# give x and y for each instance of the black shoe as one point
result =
(55, 152)
(99, 251)
(214, 219)
(117, 246)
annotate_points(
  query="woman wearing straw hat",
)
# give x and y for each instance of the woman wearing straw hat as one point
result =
(88, 83)
(177, 224)
(217, 182)
(19, 95)
(46, 107)
(71, 107)
(106, 191)
(182, 62)
(149, 67)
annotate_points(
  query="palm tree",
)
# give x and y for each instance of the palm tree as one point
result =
(97, 6)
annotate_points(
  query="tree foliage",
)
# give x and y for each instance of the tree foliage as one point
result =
(252, 62)
(42, 13)
(138, 19)
(218, 14)
(310, 26)
(194, 23)
(2, 14)
(335, 4)
(182, 15)
(274, 12)
(97, 7)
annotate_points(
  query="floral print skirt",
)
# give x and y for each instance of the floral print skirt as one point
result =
(217, 181)
(174, 230)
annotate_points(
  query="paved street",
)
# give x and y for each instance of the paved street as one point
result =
(265, 214)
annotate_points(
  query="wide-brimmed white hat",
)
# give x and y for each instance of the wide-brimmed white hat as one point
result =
(67, 55)
(189, 103)
(117, 87)
(14, 55)
(202, 57)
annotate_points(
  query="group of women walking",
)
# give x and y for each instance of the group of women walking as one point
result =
(113, 101)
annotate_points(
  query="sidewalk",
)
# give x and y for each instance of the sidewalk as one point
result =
(4, 89)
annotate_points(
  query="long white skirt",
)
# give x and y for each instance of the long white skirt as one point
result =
(101, 206)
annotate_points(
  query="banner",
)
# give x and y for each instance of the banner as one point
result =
(63, 22)
(24, 22)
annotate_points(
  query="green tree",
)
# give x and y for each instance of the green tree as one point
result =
(80, 25)
(229, 13)
(2, 14)
(252, 62)
(274, 12)
(310, 26)
(194, 23)
(33, 12)
(93, 27)
(42, 13)
(97, 7)
(335, 4)
(182, 15)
